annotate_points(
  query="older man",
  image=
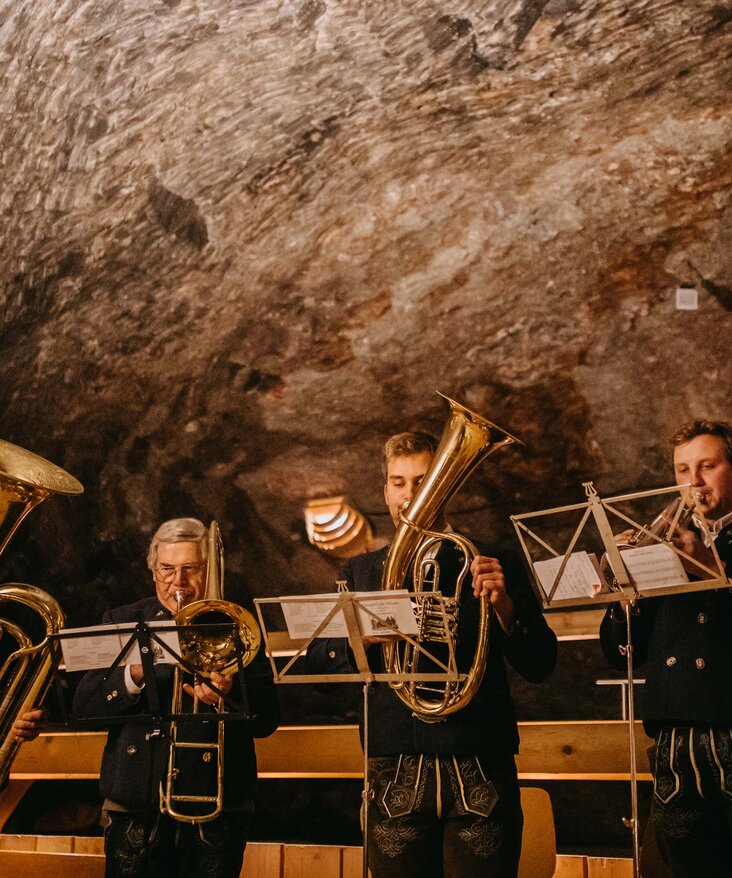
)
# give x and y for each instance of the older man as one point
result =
(139, 840)
(685, 643)
(446, 793)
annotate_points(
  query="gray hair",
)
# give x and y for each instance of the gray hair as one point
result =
(178, 530)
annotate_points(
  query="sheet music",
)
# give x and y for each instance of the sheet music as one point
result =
(656, 566)
(102, 644)
(581, 576)
(394, 611)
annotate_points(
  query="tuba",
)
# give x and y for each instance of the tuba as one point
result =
(466, 441)
(25, 481)
(208, 630)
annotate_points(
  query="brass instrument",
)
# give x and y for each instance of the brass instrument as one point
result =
(677, 513)
(25, 481)
(209, 650)
(466, 441)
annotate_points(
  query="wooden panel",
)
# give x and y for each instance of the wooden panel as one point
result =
(606, 868)
(352, 863)
(570, 867)
(305, 861)
(18, 842)
(577, 624)
(20, 864)
(60, 755)
(88, 845)
(55, 844)
(538, 843)
(589, 750)
(311, 751)
(262, 861)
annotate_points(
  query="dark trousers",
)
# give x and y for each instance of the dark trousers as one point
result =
(443, 817)
(170, 849)
(691, 811)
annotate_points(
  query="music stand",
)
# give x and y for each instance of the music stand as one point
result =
(566, 584)
(354, 608)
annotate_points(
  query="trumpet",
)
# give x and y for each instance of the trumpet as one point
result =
(677, 513)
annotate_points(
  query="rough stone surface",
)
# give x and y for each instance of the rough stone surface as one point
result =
(244, 242)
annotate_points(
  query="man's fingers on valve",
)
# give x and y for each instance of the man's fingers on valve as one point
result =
(487, 575)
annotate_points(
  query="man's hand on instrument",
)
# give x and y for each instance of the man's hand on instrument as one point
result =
(29, 725)
(690, 543)
(205, 693)
(488, 581)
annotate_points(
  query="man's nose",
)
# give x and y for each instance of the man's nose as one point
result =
(697, 477)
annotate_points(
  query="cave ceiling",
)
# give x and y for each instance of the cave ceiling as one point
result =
(244, 242)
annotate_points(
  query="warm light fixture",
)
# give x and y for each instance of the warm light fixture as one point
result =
(337, 528)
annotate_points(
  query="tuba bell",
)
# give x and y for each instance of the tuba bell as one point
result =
(466, 441)
(208, 632)
(25, 481)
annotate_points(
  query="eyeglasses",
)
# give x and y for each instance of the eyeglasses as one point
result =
(167, 572)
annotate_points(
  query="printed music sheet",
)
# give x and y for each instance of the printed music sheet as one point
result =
(99, 645)
(379, 613)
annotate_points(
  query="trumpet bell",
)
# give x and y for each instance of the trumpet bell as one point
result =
(208, 641)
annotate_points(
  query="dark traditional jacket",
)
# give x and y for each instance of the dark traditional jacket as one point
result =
(136, 754)
(486, 726)
(685, 643)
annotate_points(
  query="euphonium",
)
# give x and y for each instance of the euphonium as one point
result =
(466, 441)
(25, 481)
(208, 643)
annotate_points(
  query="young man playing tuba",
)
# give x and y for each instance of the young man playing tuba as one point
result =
(446, 797)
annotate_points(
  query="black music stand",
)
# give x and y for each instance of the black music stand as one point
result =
(354, 607)
(614, 582)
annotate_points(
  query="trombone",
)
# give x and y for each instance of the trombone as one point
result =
(209, 630)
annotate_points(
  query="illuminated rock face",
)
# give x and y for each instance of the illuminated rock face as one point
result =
(242, 243)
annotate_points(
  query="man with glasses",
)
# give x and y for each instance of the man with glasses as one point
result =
(138, 839)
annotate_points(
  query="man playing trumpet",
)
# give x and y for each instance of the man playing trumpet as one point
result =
(685, 643)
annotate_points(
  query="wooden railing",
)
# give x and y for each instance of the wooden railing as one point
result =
(586, 750)
(549, 751)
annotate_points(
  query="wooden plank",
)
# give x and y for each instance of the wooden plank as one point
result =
(60, 755)
(304, 861)
(538, 842)
(91, 844)
(21, 864)
(570, 867)
(262, 861)
(609, 868)
(576, 624)
(18, 842)
(352, 862)
(311, 751)
(55, 844)
(591, 750)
